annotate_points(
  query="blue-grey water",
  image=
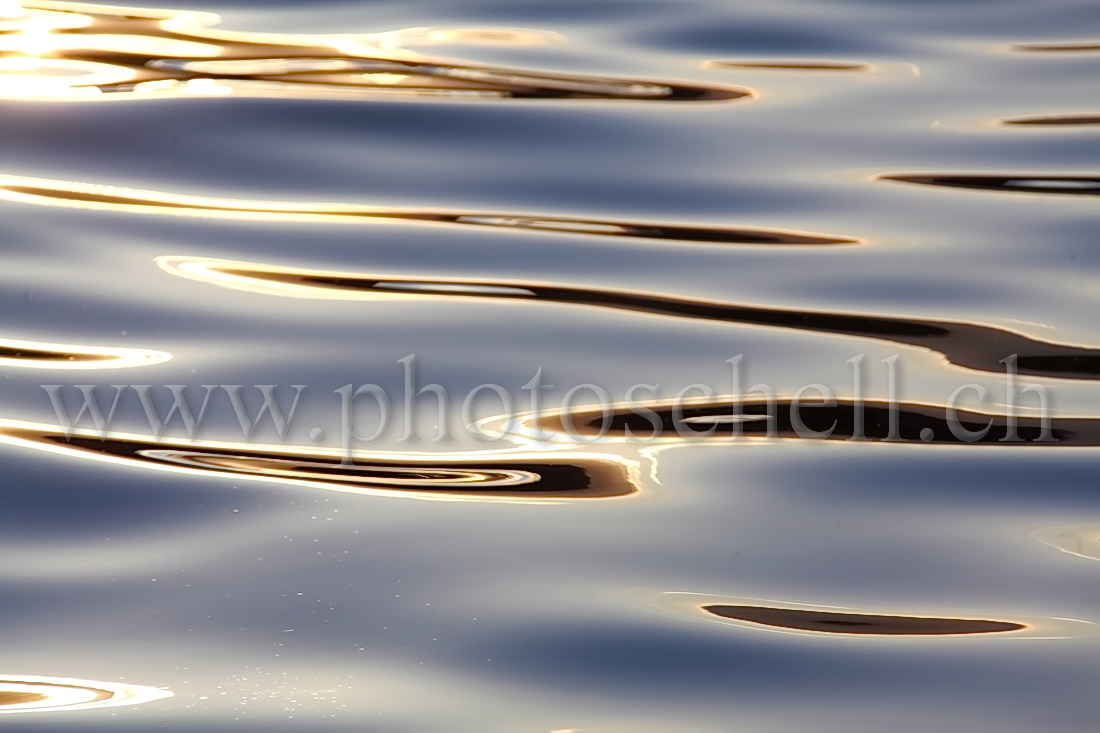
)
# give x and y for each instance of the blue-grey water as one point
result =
(890, 202)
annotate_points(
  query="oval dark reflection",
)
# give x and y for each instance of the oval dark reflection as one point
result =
(858, 623)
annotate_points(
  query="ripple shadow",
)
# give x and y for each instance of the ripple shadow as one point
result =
(831, 622)
(153, 202)
(1066, 185)
(968, 345)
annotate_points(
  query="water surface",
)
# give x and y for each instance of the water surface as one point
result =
(893, 202)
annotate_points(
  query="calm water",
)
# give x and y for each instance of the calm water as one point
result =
(882, 200)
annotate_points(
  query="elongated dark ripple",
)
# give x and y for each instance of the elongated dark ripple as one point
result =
(528, 475)
(156, 202)
(1055, 120)
(280, 65)
(1084, 46)
(967, 345)
(844, 420)
(858, 623)
(1066, 185)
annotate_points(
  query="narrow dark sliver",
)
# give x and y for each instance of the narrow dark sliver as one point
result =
(1055, 120)
(857, 623)
(1085, 47)
(846, 420)
(1067, 185)
(597, 227)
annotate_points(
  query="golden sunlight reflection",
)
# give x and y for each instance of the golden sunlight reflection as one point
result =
(60, 49)
(37, 355)
(114, 198)
(33, 694)
(510, 475)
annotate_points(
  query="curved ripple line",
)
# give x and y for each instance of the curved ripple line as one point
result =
(36, 355)
(159, 51)
(966, 345)
(504, 475)
(33, 694)
(111, 198)
(840, 419)
(1056, 184)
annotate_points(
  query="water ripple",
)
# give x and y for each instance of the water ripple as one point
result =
(78, 49)
(64, 193)
(1070, 185)
(32, 694)
(36, 355)
(837, 419)
(974, 346)
(800, 65)
(1056, 120)
(499, 475)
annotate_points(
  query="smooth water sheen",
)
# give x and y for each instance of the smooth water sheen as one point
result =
(891, 202)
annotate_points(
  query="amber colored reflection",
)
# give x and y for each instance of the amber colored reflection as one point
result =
(512, 474)
(967, 345)
(32, 694)
(1068, 185)
(110, 198)
(844, 420)
(19, 698)
(858, 623)
(72, 49)
(31, 354)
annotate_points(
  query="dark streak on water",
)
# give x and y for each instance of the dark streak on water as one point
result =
(844, 420)
(973, 346)
(152, 202)
(1066, 185)
(1056, 120)
(857, 623)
